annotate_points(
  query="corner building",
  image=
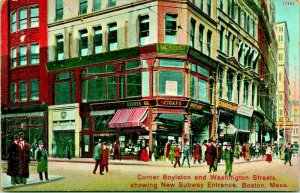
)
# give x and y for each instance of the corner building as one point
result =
(24, 78)
(137, 72)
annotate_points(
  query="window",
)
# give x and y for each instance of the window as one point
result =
(12, 92)
(64, 83)
(170, 29)
(112, 37)
(97, 5)
(220, 82)
(229, 85)
(133, 85)
(209, 7)
(241, 122)
(202, 90)
(144, 30)
(246, 93)
(192, 33)
(245, 21)
(201, 4)
(22, 55)
(83, 42)
(34, 90)
(34, 16)
(83, 7)
(171, 83)
(221, 5)
(209, 33)
(112, 3)
(59, 10)
(254, 29)
(232, 46)
(201, 31)
(23, 18)
(222, 38)
(203, 71)
(193, 88)
(248, 24)
(98, 48)
(228, 43)
(239, 15)
(23, 91)
(13, 57)
(13, 22)
(34, 54)
(171, 63)
(59, 47)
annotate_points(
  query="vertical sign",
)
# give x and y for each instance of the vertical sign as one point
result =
(171, 88)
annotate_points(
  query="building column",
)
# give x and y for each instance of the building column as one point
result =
(224, 83)
(235, 91)
(241, 99)
(255, 96)
(250, 94)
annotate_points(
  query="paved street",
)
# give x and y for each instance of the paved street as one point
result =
(256, 175)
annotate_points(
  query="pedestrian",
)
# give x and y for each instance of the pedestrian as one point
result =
(269, 153)
(168, 147)
(41, 157)
(156, 149)
(276, 150)
(69, 149)
(288, 154)
(13, 162)
(263, 151)
(257, 150)
(177, 155)
(117, 151)
(218, 157)
(210, 154)
(251, 151)
(186, 154)
(144, 154)
(105, 155)
(97, 156)
(282, 152)
(24, 158)
(228, 157)
(246, 149)
(237, 151)
(171, 153)
(197, 153)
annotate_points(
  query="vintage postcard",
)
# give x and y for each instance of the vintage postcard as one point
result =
(150, 95)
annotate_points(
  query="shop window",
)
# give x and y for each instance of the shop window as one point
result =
(112, 37)
(193, 88)
(203, 90)
(34, 54)
(241, 122)
(83, 42)
(133, 85)
(144, 30)
(59, 12)
(229, 86)
(13, 21)
(22, 91)
(86, 123)
(22, 55)
(192, 32)
(133, 64)
(170, 29)
(83, 7)
(122, 87)
(101, 122)
(208, 49)
(98, 48)
(246, 93)
(64, 83)
(12, 92)
(22, 18)
(59, 47)
(63, 144)
(201, 31)
(34, 16)
(203, 71)
(171, 83)
(97, 5)
(112, 3)
(193, 67)
(34, 90)
(171, 63)
(145, 84)
(13, 57)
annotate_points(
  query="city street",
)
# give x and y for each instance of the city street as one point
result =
(255, 175)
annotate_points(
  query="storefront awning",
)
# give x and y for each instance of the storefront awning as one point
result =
(128, 118)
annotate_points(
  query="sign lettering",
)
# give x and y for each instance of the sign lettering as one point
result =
(227, 105)
(172, 103)
(196, 106)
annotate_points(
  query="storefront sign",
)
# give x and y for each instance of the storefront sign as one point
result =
(203, 58)
(101, 113)
(64, 115)
(196, 106)
(227, 105)
(129, 104)
(242, 110)
(63, 127)
(172, 49)
(171, 88)
(34, 114)
(172, 103)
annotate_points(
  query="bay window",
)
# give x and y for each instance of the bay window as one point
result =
(171, 83)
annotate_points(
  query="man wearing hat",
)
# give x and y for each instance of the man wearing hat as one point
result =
(211, 154)
(186, 154)
(97, 156)
(41, 157)
(105, 155)
(24, 158)
(177, 155)
(13, 168)
(228, 157)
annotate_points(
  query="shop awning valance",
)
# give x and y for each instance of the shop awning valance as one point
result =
(129, 118)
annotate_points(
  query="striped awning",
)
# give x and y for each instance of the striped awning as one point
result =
(129, 118)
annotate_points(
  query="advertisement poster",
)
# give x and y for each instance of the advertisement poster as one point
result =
(150, 95)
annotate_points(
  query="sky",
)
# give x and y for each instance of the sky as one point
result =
(291, 14)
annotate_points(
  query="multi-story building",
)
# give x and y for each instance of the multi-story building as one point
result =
(135, 72)
(295, 114)
(24, 78)
(283, 86)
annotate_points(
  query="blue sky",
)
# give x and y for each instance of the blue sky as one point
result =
(290, 14)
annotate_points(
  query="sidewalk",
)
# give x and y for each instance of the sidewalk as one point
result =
(33, 179)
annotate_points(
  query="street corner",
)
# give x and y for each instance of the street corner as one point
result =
(32, 180)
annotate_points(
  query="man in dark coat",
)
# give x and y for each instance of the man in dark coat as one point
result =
(288, 154)
(13, 168)
(228, 157)
(97, 155)
(211, 154)
(41, 156)
(117, 152)
(197, 153)
(24, 158)
(177, 155)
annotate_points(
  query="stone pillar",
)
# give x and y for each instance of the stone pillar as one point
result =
(235, 91)
(255, 96)
(250, 94)
(241, 99)
(224, 83)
